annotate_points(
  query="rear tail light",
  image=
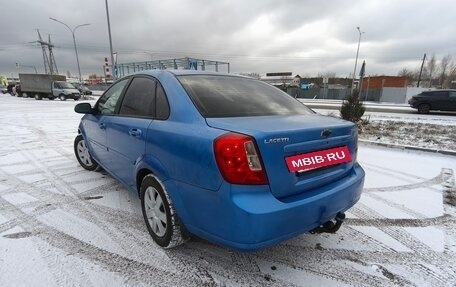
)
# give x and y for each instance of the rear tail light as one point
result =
(238, 159)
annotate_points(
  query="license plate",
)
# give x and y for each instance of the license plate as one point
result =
(317, 159)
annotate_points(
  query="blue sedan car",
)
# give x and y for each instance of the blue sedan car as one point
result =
(223, 157)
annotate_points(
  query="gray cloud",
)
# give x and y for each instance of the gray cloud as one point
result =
(305, 37)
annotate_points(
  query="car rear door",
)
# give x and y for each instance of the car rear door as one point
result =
(452, 101)
(127, 131)
(440, 100)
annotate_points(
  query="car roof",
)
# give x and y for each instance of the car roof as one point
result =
(184, 72)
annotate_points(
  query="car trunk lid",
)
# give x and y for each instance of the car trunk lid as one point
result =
(279, 137)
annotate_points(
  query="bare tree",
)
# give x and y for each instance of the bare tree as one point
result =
(430, 67)
(329, 75)
(451, 74)
(443, 69)
(409, 74)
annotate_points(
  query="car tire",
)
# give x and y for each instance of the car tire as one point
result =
(62, 97)
(159, 214)
(38, 97)
(82, 154)
(424, 108)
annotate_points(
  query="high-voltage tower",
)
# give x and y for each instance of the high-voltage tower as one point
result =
(50, 66)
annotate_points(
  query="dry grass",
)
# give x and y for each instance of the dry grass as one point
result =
(414, 134)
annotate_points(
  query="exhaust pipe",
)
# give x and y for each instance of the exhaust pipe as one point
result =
(330, 226)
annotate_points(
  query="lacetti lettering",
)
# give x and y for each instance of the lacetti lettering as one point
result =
(318, 159)
(276, 140)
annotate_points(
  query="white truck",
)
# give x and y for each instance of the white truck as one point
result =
(47, 86)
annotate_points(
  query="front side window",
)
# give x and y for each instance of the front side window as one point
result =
(453, 94)
(139, 98)
(227, 96)
(107, 103)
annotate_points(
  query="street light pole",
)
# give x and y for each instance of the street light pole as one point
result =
(74, 41)
(356, 61)
(110, 41)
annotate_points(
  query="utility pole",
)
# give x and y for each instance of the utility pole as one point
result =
(45, 56)
(421, 71)
(356, 61)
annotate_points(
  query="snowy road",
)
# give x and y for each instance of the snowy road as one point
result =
(61, 225)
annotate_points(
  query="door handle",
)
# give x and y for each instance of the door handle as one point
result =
(135, 132)
(102, 126)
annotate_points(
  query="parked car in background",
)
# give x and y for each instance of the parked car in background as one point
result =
(83, 90)
(227, 158)
(437, 100)
(11, 89)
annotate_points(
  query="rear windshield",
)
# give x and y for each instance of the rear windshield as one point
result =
(226, 96)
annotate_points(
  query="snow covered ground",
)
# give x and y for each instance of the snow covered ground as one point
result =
(63, 226)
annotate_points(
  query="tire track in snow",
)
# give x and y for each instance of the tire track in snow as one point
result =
(133, 272)
(60, 275)
(117, 235)
(329, 264)
(439, 179)
(70, 200)
(411, 177)
(421, 251)
(231, 268)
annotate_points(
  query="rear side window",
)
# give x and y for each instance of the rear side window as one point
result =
(162, 106)
(139, 99)
(145, 97)
(229, 96)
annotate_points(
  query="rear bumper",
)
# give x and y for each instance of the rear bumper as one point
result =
(250, 217)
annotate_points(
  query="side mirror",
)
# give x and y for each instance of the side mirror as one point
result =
(83, 108)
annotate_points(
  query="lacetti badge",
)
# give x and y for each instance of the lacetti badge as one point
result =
(276, 140)
(313, 160)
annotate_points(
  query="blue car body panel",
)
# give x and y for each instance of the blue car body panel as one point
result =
(252, 218)
(180, 152)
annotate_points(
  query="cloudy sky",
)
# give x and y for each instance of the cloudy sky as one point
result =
(303, 37)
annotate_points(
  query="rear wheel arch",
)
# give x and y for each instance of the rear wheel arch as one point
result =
(161, 218)
(140, 175)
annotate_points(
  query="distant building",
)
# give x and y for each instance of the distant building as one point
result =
(379, 82)
(282, 80)
(94, 79)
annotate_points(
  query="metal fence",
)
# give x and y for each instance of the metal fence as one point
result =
(319, 93)
(389, 95)
(178, 63)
